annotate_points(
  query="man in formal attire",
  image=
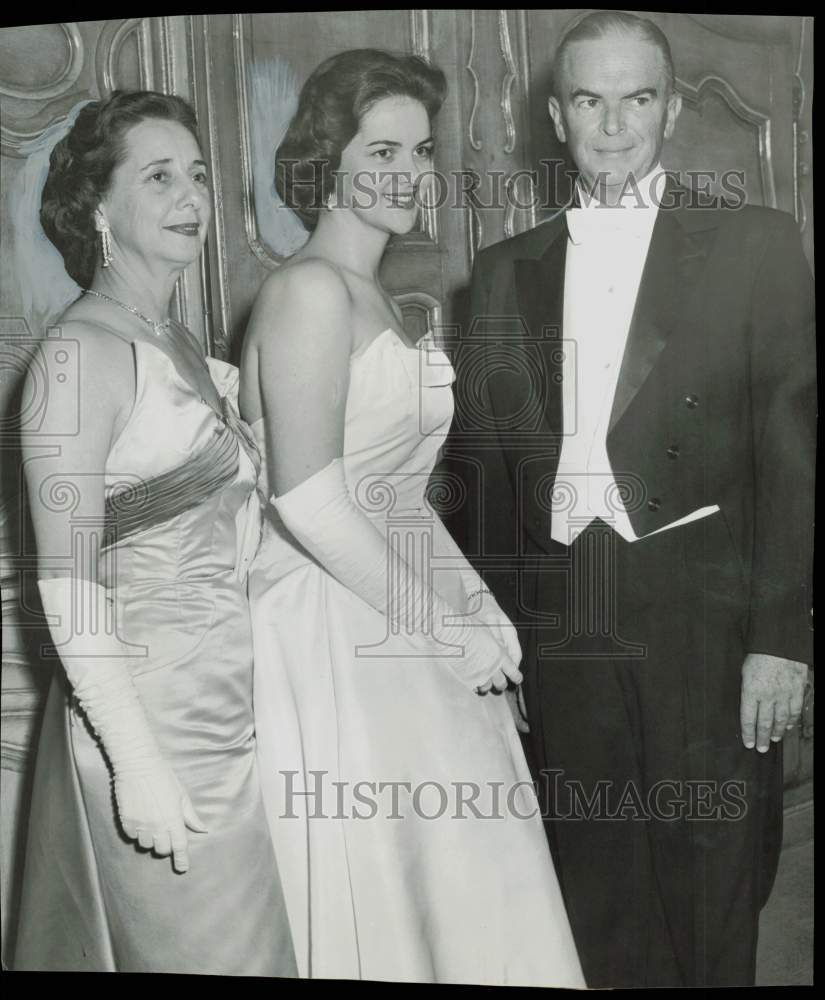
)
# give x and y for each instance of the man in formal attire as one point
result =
(635, 419)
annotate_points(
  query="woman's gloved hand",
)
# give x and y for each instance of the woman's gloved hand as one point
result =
(152, 807)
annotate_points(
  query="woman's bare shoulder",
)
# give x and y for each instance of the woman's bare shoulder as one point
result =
(87, 351)
(304, 301)
(308, 281)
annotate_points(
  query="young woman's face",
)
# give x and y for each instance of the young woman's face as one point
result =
(158, 205)
(387, 167)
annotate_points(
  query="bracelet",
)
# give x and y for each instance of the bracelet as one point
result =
(476, 593)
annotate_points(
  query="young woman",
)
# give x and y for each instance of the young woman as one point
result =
(373, 636)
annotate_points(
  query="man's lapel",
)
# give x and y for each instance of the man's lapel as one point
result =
(678, 249)
(540, 296)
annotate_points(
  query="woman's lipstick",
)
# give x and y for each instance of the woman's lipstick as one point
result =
(185, 228)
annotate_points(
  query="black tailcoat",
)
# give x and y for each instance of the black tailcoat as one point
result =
(633, 651)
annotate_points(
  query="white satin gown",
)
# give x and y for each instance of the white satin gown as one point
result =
(402, 880)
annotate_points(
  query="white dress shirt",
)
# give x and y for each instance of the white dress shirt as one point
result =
(606, 252)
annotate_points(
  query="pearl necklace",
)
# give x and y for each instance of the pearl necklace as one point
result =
(159, 329)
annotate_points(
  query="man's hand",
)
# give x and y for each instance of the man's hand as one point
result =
(772, 693)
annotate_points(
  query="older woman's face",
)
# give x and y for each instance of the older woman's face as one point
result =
(386, 168)
(158, 206)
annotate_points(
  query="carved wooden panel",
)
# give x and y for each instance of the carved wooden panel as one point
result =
(494, 83)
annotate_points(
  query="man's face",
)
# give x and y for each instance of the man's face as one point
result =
(614, 109)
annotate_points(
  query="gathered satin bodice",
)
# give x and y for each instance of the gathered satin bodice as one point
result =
(181, 477)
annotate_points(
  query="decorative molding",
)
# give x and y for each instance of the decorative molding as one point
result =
(471, 121)
(204, 286)
(428, 221)
(764, 29)
(800, 136)
(68, 77)
(695, 95)
(220, 337)
(204, 289)
(510, 77)
(474, 229)
(15, 132)
(146, 57)
(420, 32)
(263, 253)
(423, 304)
(513, 203)
(421, 40)
(109, 45)
(167, 62)
(524, 46)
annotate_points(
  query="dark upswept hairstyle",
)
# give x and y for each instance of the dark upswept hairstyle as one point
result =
(81, 166)
(599, 24)
(332, 103)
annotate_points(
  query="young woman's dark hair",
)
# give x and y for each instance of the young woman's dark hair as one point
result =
(81, 165)
(332, 103)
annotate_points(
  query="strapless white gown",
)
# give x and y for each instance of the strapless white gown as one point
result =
(402, 880)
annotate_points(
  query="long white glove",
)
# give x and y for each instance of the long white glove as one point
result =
(152, 807)
(322, 516)
(486, 608)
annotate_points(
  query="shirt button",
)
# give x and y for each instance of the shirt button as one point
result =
(654, 504)
(692, 401)
(673, 451)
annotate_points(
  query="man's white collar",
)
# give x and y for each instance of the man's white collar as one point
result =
(645, 193)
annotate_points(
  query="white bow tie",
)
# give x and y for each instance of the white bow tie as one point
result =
(586, 224)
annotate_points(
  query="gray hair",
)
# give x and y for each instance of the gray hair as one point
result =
(600, 24)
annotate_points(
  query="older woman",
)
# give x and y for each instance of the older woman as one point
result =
(399, 800)
(148, 848)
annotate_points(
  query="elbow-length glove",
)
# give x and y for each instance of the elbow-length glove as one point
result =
(322, 516)
(487, 610)
(152, 807)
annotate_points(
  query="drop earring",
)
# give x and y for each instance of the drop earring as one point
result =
(106, 246)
